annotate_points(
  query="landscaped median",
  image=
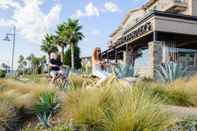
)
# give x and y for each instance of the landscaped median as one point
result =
(114, 106)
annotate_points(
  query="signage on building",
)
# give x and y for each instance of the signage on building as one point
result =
(135, 34)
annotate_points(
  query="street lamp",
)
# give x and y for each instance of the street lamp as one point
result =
(7, 38)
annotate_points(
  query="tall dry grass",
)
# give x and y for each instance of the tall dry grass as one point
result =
(113, 108)
(7, 113)
(22, 94)
(78, 81)
(20, 99)
(182, 92)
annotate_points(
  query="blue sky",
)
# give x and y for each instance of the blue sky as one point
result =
(33, 18)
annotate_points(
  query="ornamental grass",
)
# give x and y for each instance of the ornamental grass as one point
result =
(182, 92)
(22, 94)
(113, 108)
(7, 114)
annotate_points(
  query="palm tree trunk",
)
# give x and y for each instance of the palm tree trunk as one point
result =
(49, 55)
(72, 58)
(62, 55)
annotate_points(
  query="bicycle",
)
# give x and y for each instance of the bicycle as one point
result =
(61, 80)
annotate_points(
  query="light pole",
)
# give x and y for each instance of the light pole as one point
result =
(7, 38)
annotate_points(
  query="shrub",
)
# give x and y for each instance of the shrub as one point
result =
(112, 108)
(7, 113)
(170, 72)
(46, 107)
(2, 73)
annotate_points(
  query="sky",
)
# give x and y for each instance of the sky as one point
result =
(34, 18)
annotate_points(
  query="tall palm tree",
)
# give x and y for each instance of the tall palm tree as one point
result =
(48, 44)
(61, 39)
(22, 64)
(73, 35)
(29, 61)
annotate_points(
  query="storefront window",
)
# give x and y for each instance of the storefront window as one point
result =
(184, 57)
(141, 62)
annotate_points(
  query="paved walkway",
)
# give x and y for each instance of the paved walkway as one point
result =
(182, 111)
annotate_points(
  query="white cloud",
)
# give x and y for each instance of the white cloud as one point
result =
(111, 7)
(5, 4)
(89, 10)
(31, 22)
(4, 22)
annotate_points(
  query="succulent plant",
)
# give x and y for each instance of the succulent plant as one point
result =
(124, 70)
(171, 71)
(46, 107)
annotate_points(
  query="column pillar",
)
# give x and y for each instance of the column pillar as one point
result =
(116, 53)
(127, 57)
(155, 57)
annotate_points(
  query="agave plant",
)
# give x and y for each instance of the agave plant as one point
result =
(124, 70)
(170, 72)
(44, 119)
(46, 107)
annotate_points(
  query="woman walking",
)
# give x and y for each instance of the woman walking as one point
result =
(99, 66)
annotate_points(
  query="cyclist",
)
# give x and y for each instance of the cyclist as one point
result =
(55, 66)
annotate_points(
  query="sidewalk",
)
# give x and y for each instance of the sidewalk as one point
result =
(182, 112)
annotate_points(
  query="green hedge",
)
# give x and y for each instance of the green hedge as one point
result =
(2, 73)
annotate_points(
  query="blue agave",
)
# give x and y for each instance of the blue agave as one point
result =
(44, 119)
(170, 72)
(46, 107)
(124, 70)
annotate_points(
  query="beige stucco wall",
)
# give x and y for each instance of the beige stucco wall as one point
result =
(131, 20)
(152, 7)
(117, 35)
(163, 4)
(133, 17)
(188, 11)
(190, 4)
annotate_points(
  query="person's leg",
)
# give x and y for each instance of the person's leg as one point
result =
(103, 77)
(61, 72)
(53, 75)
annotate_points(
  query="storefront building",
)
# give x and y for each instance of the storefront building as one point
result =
(159, 32)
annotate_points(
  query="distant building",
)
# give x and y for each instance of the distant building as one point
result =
(158, 32)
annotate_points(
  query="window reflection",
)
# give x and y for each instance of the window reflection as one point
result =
(141, 62)
(182, 56)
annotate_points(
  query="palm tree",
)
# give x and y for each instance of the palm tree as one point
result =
(5, 67)
(22, 64)
(61, 39)
(29, 61)
(48, 44)
(73, 35)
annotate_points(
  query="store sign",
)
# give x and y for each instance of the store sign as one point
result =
(135, 34)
